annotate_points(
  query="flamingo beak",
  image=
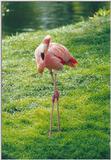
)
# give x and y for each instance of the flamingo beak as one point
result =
(42, 56)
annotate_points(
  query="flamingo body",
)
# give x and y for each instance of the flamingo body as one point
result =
(57, 55)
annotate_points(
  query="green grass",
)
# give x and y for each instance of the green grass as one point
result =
(84, 99)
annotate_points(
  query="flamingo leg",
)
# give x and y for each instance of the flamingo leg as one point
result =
(51, 114)
(55, 98)
(58, 115)
(56, 92)
(51, 119)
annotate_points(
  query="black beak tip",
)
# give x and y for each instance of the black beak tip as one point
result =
(42, 56)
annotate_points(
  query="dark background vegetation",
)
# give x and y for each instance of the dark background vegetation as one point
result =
(31, 16)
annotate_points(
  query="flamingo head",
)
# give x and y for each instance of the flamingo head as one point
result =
(46, 40)
(43, 47)
(45, 43)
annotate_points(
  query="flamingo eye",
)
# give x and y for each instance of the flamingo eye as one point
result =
(42, 56)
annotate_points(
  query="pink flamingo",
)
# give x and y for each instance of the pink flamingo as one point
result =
(53, 56)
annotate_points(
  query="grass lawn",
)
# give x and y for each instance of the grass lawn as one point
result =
(84, 100)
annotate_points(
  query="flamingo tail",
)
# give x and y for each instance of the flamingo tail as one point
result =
(72, 62)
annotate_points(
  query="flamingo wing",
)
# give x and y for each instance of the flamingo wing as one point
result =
(59, 51)
(52, 62)
(62, 53)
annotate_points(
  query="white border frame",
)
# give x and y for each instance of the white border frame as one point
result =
(1, 57)
(0, 83)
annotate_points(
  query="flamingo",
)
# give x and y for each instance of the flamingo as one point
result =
(53, 56)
